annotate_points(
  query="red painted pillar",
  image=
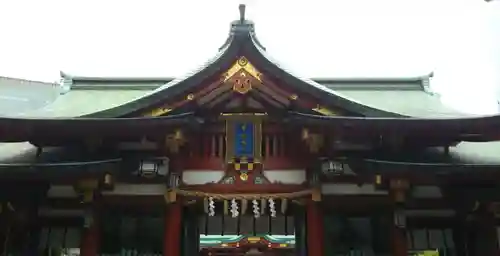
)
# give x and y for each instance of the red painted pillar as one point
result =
(90, 240)
(315, 230)
(486, 234)
(399, 243)
(173, 225)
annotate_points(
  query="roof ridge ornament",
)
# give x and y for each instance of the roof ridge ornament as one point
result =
(242, 8)
(242, 28)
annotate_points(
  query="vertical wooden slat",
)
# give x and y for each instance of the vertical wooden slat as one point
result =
(275, 145)
(221, 145)
(229, 140)
(213, 142)
(207, 140)
(281, 144)
(268, 145)
(258, 140)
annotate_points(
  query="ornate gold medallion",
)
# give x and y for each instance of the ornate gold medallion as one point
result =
(244, 176)
(242, 84)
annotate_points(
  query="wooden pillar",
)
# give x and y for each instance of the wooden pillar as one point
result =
(398, 189)
(486, 234)
(398, 235)
(90, 238)
(33, 227)
(173, 225)
(460, 232)
(91, 233)
(315, 232)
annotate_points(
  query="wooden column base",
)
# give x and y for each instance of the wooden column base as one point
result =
(173, 225)
(399, 244)
(315, 232)
(90, 240)
(486, 233)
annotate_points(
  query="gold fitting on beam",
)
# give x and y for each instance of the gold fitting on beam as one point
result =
(170, 196)
(316, 195)
(174, 141)
(399, 184)
(305, 134)
(178, 135)
(10, 207)
(108, 179)
(399, 196)
(88, 184)
(87, 196)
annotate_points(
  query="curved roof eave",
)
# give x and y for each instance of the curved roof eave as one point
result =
(26, 129)
(417, 78)
(72, 77)
(221, 61)
(476, 128)
(259, 57)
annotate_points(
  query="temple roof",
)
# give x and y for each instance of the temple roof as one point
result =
(365, 102)
(113, 97)
(24, 95)
(369, 97)
(407, 96)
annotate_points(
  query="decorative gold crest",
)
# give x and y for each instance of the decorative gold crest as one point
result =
(242, 64)
(242, 61)
(242, 83)
(244, 176)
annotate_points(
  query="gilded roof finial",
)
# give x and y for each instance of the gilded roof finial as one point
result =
(242, 13)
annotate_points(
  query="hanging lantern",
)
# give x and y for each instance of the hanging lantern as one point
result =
(88, 218)
(148, 169)
(399, 218)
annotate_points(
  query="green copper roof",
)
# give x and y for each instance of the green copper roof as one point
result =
(477, 152)
(16, 152)
(404, 102)
(414, 103)
(82, 102)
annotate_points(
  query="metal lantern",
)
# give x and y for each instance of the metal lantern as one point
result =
(400, 218)
(153, 167)
(148, 168)
(332, 167)
(88, 218)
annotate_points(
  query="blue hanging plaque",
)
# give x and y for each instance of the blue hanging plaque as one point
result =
(244, 139)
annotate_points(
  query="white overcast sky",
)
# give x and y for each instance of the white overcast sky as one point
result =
(455, 39)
